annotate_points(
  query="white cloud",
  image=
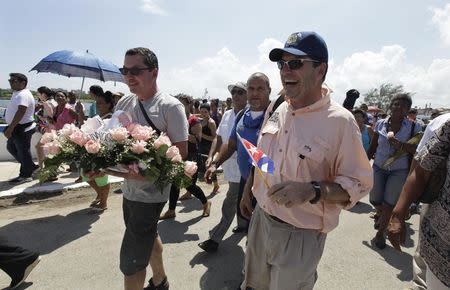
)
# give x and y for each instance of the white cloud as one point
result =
(441, 19)
(361, 70)
(216, 72)
(153, 7)
(366, 70)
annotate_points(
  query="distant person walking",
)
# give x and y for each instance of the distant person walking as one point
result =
(21, 126)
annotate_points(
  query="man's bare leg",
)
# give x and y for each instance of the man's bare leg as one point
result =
(135, 281)
(156, 262)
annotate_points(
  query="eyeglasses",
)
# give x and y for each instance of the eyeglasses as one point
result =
(238, 92)
(135, 71)
(294, 64)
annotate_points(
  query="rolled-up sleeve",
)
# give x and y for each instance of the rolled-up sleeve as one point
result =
(353, 170)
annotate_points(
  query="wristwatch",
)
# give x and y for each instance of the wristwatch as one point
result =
(318, 192)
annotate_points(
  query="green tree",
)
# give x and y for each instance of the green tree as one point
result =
(381, 97)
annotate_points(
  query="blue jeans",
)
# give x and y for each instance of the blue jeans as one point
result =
(19, 147)
(387, 185)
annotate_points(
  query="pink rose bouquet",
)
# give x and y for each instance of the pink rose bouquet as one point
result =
(127, 145)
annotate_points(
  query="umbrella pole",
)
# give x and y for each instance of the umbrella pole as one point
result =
(82, 84)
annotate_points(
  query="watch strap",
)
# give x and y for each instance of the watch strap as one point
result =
(317, 190)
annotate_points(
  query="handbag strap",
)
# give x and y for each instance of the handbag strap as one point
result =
(149, 121)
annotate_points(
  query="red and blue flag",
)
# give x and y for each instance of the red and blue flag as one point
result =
(259, 158)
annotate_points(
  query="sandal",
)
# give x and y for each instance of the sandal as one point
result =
(164, 285)
(215, 190)
(94, 202)
(98, 208)
(167, 215)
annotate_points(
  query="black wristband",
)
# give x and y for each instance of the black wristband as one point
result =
(317, 190)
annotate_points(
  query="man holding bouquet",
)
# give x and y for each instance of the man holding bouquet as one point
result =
(143, 201)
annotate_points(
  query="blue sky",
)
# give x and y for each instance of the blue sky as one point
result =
(209, 44)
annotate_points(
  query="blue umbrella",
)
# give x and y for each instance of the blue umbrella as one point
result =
(79, 64)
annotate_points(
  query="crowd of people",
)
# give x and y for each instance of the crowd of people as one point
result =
(320, 149)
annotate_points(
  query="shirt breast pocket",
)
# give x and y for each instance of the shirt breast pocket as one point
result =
(308, 161)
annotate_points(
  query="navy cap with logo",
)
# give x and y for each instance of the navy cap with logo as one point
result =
(306, 43)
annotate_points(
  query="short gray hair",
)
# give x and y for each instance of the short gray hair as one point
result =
(259, 75)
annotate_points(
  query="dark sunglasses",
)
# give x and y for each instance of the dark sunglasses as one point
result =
(238, 92)
(294, 64)
(133, 71)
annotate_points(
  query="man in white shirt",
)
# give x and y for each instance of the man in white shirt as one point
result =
(21, 126)
(231, 172)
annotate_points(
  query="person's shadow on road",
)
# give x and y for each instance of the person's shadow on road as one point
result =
(399, 260)
(173, 231)
(224, 267)
(47, 234)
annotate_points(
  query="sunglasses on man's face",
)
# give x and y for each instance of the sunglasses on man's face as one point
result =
(237, 92)
(294, 64)
(135, 71)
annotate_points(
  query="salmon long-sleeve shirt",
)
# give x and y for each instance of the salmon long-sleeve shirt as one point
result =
(320, 142)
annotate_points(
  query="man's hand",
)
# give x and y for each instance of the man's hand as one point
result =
(290, 193)
(8, 132)
(210, 171)
(396, 232)
(246, 205)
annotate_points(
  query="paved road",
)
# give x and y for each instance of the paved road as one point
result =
(80, 248)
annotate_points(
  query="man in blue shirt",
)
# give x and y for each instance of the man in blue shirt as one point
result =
(248, 124)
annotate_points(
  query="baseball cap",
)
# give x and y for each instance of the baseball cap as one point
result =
(239, 85)
(306, 43)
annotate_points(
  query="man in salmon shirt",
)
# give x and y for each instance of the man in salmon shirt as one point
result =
(320, 168)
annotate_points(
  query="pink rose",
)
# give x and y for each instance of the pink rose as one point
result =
(172, 152)
(141, 133)
(79, 138)
(68, 129)
(48, 137)
(131, 127)
(52, 148)
(162, 140)
(138, 147)
(190, 168)
(119, 134)
(92, 147)
(177, 158)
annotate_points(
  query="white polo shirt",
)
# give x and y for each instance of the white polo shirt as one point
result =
(21, 98)
(230, 167)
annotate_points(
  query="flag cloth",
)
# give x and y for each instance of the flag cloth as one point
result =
(261, 160)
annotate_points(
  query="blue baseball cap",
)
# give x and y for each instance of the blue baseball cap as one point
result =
(306, 43)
